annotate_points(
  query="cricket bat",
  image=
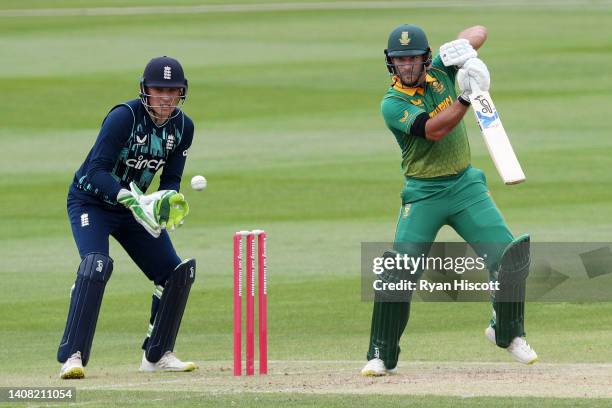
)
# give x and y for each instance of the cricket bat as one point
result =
(495, 137)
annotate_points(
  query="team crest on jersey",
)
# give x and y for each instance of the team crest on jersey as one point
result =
(416, 102)
(404, 38)
(405, 117)
(170, 142)
(437, 86)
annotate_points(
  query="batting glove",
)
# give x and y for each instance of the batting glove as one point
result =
(473, 76)
(457, 52)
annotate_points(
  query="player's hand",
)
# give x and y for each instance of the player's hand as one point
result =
(171, 209)
(143, 213)
(474, 75)
(457, 52)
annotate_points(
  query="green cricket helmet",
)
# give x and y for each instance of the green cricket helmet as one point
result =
(407, 40)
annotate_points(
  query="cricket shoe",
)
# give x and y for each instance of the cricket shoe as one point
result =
(519, 348)
(73, 368)
(376, 368)
(168, 362)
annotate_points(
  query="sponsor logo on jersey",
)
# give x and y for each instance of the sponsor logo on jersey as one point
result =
(404, 38)
(448, 101)
(142, 163)
(167, 72)
(416, 102)
(141, 139)
(405, 117)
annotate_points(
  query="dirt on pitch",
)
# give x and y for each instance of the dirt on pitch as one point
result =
(466, 379)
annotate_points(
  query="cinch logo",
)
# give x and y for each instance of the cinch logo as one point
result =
(167, 72)
(141, 163)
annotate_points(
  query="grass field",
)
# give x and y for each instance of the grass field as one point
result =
(289, 135)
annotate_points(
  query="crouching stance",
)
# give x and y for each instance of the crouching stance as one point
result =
(106, 198)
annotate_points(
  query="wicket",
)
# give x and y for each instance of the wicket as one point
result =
(262, 302)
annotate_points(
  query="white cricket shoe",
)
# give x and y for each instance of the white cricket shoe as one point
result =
(519, 348)
(168, 362)
(72, 368)
(376, 368)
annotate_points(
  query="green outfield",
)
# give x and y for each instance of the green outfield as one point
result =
(289, 135)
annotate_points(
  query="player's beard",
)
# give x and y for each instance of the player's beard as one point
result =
(420, 77)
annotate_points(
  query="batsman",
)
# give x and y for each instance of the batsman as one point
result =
(425, 113)
(137, 138)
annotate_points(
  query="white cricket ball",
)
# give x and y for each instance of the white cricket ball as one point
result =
(198, 183)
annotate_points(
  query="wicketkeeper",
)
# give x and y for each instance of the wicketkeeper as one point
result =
(425, 114)
(136, 139)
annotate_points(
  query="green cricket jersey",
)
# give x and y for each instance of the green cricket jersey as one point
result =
(422, 158)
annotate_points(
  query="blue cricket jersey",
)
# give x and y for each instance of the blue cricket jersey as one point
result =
(131, 147)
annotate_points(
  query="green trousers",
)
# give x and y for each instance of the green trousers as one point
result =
(462, 202)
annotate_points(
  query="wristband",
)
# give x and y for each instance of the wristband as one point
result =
(463, 100)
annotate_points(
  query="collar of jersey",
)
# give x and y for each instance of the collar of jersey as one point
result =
(397, 85)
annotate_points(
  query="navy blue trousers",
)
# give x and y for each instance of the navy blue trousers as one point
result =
(92, 224)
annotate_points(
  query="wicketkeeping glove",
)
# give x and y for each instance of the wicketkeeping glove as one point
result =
(162, 209)
(170, 209)
(143, 213)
